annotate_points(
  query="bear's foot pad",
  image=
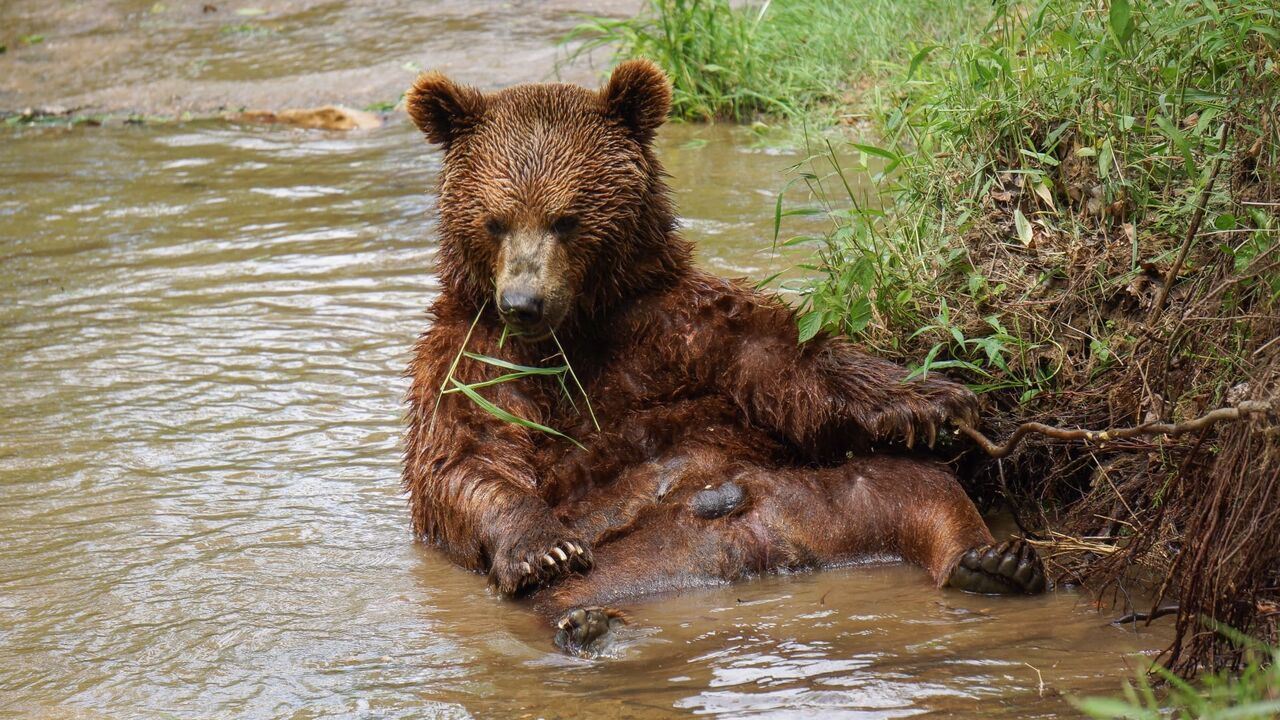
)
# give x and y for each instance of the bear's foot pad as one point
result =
(579, 631)
(1008, 568)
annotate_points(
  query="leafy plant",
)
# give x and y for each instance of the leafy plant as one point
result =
(1253, 693)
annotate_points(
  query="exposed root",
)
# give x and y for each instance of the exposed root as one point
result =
(1239, 411)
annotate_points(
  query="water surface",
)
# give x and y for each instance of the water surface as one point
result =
(202, 331)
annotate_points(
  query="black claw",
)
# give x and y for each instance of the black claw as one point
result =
(1009, 565)
(1023, 574)
(991, 560)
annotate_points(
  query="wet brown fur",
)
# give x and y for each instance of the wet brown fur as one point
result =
(696, 380)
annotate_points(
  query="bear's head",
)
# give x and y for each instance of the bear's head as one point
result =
(552, 204)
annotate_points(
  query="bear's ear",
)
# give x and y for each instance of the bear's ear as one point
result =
(442, 109)
(639, 95)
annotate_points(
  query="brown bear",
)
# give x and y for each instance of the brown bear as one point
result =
(724, 448)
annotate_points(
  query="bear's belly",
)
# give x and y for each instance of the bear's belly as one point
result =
(700, 477)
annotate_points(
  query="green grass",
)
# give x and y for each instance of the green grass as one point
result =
(1068, 124)
(792, 59)
(1253, 693)
(1026, 179)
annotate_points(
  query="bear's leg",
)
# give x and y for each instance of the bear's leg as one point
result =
(666, 549)
(918, 510)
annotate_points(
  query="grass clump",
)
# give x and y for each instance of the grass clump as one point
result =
(1035, 230)
(1029, 219)
(788, 59)
(1253, 693)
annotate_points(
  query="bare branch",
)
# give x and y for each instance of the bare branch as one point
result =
(1236, 412)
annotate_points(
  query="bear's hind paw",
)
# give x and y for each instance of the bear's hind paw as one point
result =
(581, 630)
(1008, 568)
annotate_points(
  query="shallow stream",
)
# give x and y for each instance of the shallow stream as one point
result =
(202, 330)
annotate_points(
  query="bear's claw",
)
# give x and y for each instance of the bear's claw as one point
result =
(528, 569)
(1008, 568)
(579, 631)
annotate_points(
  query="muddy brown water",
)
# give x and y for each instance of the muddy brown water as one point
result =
(202, 329)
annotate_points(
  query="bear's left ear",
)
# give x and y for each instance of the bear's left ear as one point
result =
(442, 109)
(639, 95)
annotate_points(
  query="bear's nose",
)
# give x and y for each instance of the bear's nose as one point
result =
(524, 308)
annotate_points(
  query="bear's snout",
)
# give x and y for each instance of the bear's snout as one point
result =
(520, 307)
(531, 283)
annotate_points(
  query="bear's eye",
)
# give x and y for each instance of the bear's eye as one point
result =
(564, 226)
(495, 227)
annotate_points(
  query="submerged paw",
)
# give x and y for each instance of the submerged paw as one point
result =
(1008, 568)
(582, 630)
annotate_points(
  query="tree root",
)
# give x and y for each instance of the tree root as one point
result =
(1238, 411)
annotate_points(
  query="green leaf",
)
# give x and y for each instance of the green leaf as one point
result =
(859, 315)
(492, 381)
(1179, 141)
(894, 159)
(800, 240)
(523, 369)
(505, 416)
(808, 325)
(766, 281)
(1121, 18)
(1024, 227)
(918, 58)
(1225, 221)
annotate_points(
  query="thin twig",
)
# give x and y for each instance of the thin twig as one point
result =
(1192, 230)
(1236, 412)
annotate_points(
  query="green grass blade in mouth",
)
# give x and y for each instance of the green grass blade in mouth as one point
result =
(574, 375)
(505, 416)
(522, 369)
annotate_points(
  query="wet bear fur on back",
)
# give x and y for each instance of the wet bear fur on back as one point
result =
(673, 359)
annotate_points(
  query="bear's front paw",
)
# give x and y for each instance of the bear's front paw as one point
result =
(537, 559)
(937, 403)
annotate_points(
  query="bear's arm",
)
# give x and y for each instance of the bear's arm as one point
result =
(824, 396)
(471, 483)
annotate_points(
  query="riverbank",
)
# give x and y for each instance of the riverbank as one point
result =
(1076, 213)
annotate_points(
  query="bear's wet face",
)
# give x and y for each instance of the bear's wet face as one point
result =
(542, 187)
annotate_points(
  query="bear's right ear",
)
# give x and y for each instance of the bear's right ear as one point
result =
(639, 95)
(442, 109)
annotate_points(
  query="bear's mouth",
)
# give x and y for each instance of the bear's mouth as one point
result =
(526, 334)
